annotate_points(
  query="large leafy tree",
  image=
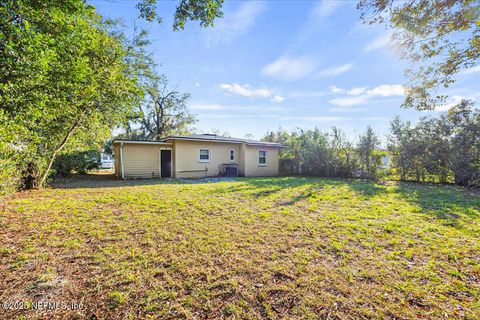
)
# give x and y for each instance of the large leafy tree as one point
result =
(204, 11)
(344, 147)
(65, 80)
(444, 149)
(67, 77)
(367, 146)
(441, 37)
(463, 122)
(163, 112)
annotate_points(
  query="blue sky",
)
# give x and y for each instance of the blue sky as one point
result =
(289, 64)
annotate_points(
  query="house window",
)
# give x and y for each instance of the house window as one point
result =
(262, 157)
(204, 155)
(232, 155)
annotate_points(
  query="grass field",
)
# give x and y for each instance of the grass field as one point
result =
(268, 248)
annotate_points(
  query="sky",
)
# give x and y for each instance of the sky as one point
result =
(289, 64)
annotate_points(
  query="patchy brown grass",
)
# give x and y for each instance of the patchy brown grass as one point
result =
(268, 248)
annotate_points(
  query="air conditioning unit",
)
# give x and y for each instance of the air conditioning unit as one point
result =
(231, 171)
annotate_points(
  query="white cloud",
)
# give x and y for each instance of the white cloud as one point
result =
(357, 96)
(451, 102)
(245, 90)
(335, 89)
(202, 106)
(315, 21)
(332, 72)
(277, 99)
(288, 68)
(380, 42)
(356, 91)
(349, 101)
(387, 90)
(197, 84)
(472, 70)
(222, 116)
(315, 119)
(235, 23)
(374, 118)
(324, 9)
(307, 94)
(217, 107)
(344, 110)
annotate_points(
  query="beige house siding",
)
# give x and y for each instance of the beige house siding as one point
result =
(241, 160)
(254, 169)
(141, 161)
(188, 165)
(116, 153)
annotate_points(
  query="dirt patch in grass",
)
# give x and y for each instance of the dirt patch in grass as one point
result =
(268, 248)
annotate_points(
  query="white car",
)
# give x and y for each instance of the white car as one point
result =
(106, 161)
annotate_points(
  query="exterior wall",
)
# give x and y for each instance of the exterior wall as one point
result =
(187, 164)
(241, 160)
(141, 161)
(117, 164)
(254, 169)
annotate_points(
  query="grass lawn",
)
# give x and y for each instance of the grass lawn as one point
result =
(268, 248)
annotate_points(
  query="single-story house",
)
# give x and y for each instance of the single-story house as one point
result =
(195, 156)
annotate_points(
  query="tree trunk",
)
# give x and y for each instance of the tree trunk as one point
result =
(55, 153)
(31, 176)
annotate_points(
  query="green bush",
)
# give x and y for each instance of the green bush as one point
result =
(10, 177)
(10, 174)
(75, 162)
(381, 175)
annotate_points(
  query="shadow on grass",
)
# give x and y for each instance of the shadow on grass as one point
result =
(446, 203)
(450, 204)
(104, 181)
(263, 187)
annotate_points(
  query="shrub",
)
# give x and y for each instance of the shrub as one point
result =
(75, 162)
(10, 174)
(10, 180)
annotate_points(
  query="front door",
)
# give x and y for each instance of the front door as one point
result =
(166, 163)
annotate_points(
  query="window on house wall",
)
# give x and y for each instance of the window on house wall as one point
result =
(262, 157)
(232, 155)
(204, 155)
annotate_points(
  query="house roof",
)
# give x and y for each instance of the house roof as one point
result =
(204, 137)
(216, 138)
(161, 142)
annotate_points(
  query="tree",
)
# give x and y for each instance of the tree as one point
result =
(367, 145)
(433, 138)
(444, 149)
(464, 125)
(313, 152)
(164, 112)
(220, 133)
(345, 147)
(399, 140)
(289, 157)
(67, 77)
(65, 80)
(205, 11)
(441, 36)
